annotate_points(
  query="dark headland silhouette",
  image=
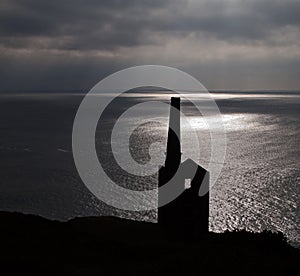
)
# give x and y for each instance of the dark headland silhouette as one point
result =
(188, 214)
(32, 245)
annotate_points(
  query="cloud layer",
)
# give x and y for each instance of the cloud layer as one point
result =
(52, 45)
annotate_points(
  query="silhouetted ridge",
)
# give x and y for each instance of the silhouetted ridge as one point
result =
(32, 245)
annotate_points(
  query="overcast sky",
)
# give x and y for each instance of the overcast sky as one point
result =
(226, 44)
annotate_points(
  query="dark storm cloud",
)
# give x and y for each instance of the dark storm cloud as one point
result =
(71, 44)
(80, 24)
(244, 20)
(86, 24)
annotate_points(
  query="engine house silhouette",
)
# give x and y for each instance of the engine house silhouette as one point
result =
(188, 214)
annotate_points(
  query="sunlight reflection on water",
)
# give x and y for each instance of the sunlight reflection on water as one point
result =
(259, 185)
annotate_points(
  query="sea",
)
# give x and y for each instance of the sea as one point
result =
(257, 187)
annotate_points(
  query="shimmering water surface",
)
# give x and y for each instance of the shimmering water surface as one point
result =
(258, 188)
